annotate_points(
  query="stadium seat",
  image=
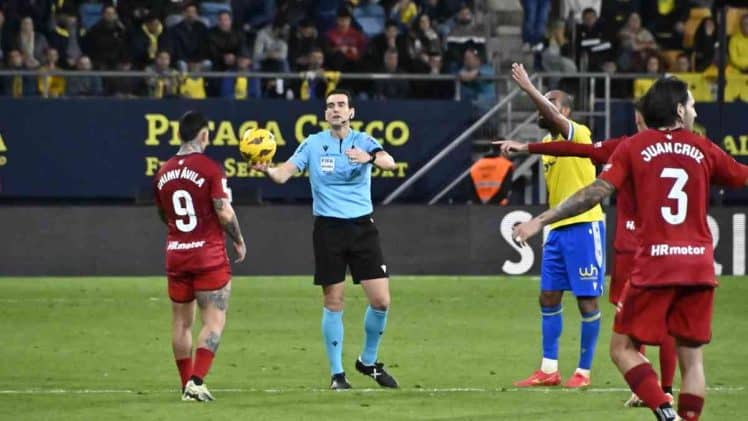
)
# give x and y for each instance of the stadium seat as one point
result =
(733, 19)
(90, 13)
(700, 87)
(670, 57)
(695, 16)
(210, 10)
(641, 86)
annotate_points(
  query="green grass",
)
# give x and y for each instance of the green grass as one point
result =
(99, 348)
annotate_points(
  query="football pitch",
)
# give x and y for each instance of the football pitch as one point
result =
(99, 348)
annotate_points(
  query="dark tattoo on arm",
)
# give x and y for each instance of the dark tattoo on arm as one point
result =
(233, 230)
(578, 202)
(232, 227)
(212, 341)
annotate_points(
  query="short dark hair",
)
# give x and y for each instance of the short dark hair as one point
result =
(659, 106)
(345, 92)
(589, 10)
(190, 125)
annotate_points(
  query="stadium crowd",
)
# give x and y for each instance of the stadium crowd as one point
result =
(320, 39)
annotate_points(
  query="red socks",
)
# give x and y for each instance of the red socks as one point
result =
(643, 381)
(690, 406)
(203, 360)
(185, 369)
(668, 362)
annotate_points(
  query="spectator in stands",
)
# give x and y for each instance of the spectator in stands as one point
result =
(252, 15)
(66, 39)
(370, 15)
(317, 81)
(18, 86)
(390, 38)
(534, 22)
(304, 39)
(271, 46)
(173, 12)
(391, 88)
(432, 89)
(666, 20)
(30, 43)
(192, 87)
(465, 33)
(147, 40)
(225, 43)
(84, 85)
(106, 41)
(556, 56)
(482, 93)
(345, 44)
(592, 41)
(738, 47)
(683, 64)
(636, 43)
(404, 12)
(123, 86)
(51, 86)
(654, 65)
(189, 39)
(240, 87)
(134, 13)
(295, 10)
(705, 43)
(163, 82)
(614, 14)
(40, 11)
(422, 38)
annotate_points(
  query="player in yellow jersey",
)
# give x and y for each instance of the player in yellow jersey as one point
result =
(574, 252)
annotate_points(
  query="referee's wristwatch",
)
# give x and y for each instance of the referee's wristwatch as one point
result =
(373, 158)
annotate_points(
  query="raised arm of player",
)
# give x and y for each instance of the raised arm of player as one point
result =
(230, 223)
(598, 152)
(545, 107)
(577, 203)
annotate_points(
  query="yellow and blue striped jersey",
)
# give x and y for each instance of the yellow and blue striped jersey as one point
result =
(564, 176)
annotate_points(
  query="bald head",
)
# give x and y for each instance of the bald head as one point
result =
(561, 100)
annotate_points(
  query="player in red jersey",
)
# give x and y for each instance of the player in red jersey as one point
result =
(625, 242)
(671, 290)
(193, 201)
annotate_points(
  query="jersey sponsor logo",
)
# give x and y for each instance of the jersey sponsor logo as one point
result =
(176, 245)
(327, 164)
(678, 148)
(630, 225)
(181, 173)
(590, 272)
(668, 250)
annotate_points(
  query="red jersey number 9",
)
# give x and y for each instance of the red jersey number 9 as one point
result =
(182, 202)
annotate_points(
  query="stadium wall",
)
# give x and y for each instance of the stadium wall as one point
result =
(460, 240)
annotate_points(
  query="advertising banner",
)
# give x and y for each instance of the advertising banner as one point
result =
(109, 148)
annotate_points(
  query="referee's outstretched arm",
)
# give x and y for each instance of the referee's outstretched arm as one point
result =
(279, 174)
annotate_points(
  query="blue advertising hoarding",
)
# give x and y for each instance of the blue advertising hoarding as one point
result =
(108, 148)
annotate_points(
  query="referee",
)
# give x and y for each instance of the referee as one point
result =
(339, 161)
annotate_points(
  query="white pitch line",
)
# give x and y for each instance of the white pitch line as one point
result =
(716, 389)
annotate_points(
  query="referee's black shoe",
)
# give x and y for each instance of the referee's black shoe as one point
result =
(377, 372)
(339, 382)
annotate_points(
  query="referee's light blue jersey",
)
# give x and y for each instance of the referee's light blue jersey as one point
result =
(340, 188)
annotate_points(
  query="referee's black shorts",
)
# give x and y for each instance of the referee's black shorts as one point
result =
(341, 243)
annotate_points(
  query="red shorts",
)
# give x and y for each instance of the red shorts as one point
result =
(620, 275)
(648, 315)
(182, 285)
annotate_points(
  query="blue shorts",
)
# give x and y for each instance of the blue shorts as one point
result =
(574, 259)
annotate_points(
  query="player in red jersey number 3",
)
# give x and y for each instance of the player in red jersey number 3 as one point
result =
(193, 201)
(671, 291)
